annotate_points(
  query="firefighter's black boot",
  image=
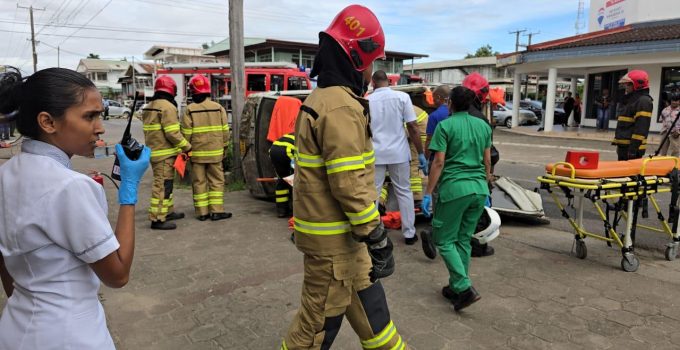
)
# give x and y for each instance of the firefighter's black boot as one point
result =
(174, 216)
(219, 216)
(162, 225)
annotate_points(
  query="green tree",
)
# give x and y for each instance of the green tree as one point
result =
(484, 51)
(92, 55)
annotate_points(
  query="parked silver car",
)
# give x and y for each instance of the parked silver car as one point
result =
(503, 115)
(118, 110)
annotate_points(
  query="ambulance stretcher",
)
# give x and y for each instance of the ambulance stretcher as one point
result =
(618, 187)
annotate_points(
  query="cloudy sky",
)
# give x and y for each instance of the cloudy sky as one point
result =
(442, 29)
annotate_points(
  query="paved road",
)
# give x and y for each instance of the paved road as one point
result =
(523, 158)
(235, 284)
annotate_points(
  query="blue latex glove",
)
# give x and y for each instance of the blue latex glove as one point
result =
(425, 205)
(423, 163)
(131, 172)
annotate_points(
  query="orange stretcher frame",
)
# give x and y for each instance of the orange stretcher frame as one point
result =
(627, 182)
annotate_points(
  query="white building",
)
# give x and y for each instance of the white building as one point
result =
(104, 74)
(637, 39)
(163, 54)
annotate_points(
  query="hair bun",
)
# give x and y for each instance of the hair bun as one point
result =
(10, 81)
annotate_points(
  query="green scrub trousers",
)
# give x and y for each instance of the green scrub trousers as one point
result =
(453, 224)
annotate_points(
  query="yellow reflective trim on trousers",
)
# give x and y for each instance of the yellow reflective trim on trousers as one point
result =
(621, 142)
(400, 345)
(157, 211)
(151, 127)
(283, 345)
(309, 161)
(281, 192)
(416, 180)
(215, 193)
(382, 338)
(166, 203)
(421, 117)
(201, 204)
(364, 216)
(165, 152)
(172, 127)
(214, 153)
(643, 114)
(638, 137)
(322, 228)
(281, 199)
(423, 139)
(225, 127)
(215, 201)
(201, 196)
(625, 119)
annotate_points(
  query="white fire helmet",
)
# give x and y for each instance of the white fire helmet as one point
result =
(489, 226)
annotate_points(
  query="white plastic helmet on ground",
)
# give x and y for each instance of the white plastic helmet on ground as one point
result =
(488, 227)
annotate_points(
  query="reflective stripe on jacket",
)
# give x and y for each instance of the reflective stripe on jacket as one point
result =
(288, 142)
(633, 120)
(162, 130)
(334, 192)
(205, 126)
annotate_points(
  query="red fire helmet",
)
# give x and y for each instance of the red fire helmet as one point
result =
(639, 79)
(358, 31)
(166, 84)
(199, 84)
(477, 83)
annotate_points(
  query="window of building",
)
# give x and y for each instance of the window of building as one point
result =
(604, 91)
(276, 83)
(257, 82)
(670, 84)
(101, 76)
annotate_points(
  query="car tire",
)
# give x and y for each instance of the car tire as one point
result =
(508, 122)
(125, 115)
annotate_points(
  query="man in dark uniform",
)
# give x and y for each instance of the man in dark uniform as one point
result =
(281, 154)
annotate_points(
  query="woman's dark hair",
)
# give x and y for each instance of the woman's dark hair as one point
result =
(51, 90)
(461, 98)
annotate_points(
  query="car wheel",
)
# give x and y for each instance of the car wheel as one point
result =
(126, 115)
(508, 122)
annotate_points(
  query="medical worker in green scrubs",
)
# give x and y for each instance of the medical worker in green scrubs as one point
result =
(462, 171)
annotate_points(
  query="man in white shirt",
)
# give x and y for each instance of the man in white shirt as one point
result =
(390, 110)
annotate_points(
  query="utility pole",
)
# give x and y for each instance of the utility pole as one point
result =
(517, 33)
(35, 55)
(530, 35)
(58, 56)
(236, 62)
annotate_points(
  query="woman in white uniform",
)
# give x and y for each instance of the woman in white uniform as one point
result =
(55, 238)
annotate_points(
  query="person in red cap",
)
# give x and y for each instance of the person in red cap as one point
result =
(336, 221)
(162, 135)
(634, 116)
(204, 125)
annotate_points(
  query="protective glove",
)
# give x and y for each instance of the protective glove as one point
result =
(380, 249)
(425, 205)
(423, 163)
(131, 172)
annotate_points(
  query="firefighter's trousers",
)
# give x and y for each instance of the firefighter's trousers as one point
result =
(418, 183)
(207, 180)
(453, 225)
(337, 286)
(284, 192)
(161, 190)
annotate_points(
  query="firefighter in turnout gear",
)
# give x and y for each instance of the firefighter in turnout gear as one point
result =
(282, 154)
(634, 116)
(162, 134)
(205, 126)
(337, 227)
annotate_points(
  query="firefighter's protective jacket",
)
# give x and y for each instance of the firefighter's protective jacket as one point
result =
(333, 192)
(287, 141)
(162, 130)
(205, 126)
(634, 117)
(421, 120)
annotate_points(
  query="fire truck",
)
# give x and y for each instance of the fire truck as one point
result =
(260, 77)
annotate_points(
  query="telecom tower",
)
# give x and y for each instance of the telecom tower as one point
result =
(580, 17)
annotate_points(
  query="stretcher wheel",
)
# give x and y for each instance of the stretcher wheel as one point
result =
(630, 264)
(671, 252)
(581, 249)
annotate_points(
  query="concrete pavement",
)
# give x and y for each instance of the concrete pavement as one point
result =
(235, 284)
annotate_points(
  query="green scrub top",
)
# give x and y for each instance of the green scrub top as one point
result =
(463, 138)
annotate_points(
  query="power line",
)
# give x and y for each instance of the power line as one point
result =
(35, 55)
(116, 29)
(108, 38)
(86, 23)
